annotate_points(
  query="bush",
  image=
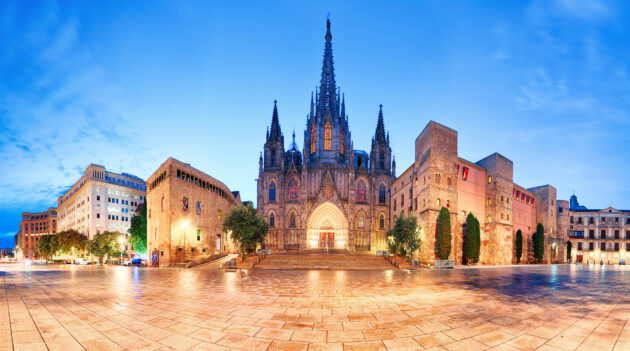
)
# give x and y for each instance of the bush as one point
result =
(403, 237)
(519, 245)
(443, 237)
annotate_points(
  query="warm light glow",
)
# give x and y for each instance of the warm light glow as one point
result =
(120, 240)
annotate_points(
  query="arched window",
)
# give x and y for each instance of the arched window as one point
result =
(272, 191)
(292, 220)
(382, 193)
(341, 141)
(163, 203)
(272, 220)
(381, 160)
(361, 191)
(313, 139)
(361, 220)
(381, 221)
(293, 190)
(327, 136)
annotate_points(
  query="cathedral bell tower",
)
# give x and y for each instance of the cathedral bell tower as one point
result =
(274, 146)
(327, 135)
(381, 153)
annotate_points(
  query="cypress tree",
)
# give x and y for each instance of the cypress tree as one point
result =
(539, 243)
(477, 240)
(519, 245)
(443, 239)
(470, 238)
(569, 247)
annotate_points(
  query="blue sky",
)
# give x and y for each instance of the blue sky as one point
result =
(128, 84)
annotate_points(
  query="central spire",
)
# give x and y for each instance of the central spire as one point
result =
(327, 87)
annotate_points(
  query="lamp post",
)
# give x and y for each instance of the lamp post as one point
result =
(120, 240)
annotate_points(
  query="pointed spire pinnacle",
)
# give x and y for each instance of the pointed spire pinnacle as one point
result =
(275, 133)
(312, 106)
(294, 144)
(379, 136)
(327, 88)
(343, 105)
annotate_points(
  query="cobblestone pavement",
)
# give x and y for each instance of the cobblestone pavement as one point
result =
(515, 308)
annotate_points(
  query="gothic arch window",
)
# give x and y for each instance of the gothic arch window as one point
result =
(313, 139)
(381, 160)
(341, 141)
(361, 220)
(292, 219)
(293, 190)
(272, 219)
(272, 191)
(361, 192)
(381, 221)
(327, 136)
(382, 193)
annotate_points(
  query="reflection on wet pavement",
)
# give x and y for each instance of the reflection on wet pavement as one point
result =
(563, 307)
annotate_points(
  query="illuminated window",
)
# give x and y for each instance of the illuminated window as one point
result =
(361, 220)
(327, 136)
(362, 192)
(489, 202)
(272, 220)
(464, 173)
(439, 202)
(341, 141)
(198, 207)
(185, 204)
(198, 235)
(381, 221)
(489, 179)
(272, 191)
(382, 192)
(292, 220)
(313, 139)
(293, 190)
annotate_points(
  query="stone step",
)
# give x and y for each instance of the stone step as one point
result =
(324, 261)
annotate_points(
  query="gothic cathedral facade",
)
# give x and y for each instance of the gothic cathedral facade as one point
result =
(329, 196)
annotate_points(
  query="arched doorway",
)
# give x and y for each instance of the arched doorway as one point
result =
(327, 227)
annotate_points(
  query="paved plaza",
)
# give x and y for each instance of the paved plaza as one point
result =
(67, 308)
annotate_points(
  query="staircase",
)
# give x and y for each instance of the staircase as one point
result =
(323, 260)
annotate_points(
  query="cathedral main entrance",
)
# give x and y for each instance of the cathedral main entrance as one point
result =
(327, 228)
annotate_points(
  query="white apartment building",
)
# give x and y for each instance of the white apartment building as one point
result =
(100, 201)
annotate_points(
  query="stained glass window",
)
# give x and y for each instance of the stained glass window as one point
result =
(293, 190)
(361, 192)
(327, 136)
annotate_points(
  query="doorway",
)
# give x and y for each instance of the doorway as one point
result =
(218, 242)
(326, 240)
(579, 257)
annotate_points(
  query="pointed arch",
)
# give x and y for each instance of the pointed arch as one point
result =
(272, 219)
(327, 136)
(381, 221)
(361, 191)
(382, 193)
(292, 219)
(292, 190)
(361, 220)
(313, 139)
(272, 191)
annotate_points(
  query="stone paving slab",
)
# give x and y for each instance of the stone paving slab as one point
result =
(130, 308)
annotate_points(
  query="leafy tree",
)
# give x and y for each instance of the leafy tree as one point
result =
(44, 246)
(443, 238)
(68, 241)
(138, 231)
(539, 243)
(403, 237)
(569, 247)
(247, 227)
(103, 244)
(519, 245)
(473, 239)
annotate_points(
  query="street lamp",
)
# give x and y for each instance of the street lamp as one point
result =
(120, 240)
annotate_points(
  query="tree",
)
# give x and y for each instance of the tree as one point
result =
(539, 243)
(247, 227)
(103, 244)
(443, 238)
(569, 247)
(403, 237)
(473, 239)
(519, 245)
(138, 231)
(44, 246)
(69, 241)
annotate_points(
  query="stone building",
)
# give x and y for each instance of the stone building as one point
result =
(100, 201)
(32, 227)
(328, 195)
(597, 235)
(185, 210)
(439, 178)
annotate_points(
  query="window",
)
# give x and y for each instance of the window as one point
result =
(327, 136)
(98, 197)
(292, 220)
(489, 201)
(361, 220)
(381, 221)
(591, 246)
(415, 203)
(603, 233)
(616, 234)
(579, 246)
(273, 158)
(437, 178)
(439, 202)
(627, 234)
(381, 160)
(341, 141)
(489, 179)
(602, 246)
(272, 220)
(313, 139)
(185, 204)
(219, 214)
(163, 201)
(616, 246)
(98, 215)
(591, 220)
(198, 235)
(362, 192)
(402, 200)
(382, 191)
(272, 191)
(293, 190)
(448, 203)
(394, 204)
(591, 234)
(198, 207)
(464, 173)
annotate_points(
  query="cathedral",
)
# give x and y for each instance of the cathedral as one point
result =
(329, 195)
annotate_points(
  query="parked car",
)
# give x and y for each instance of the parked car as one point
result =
(81, 260)
(133, 262)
